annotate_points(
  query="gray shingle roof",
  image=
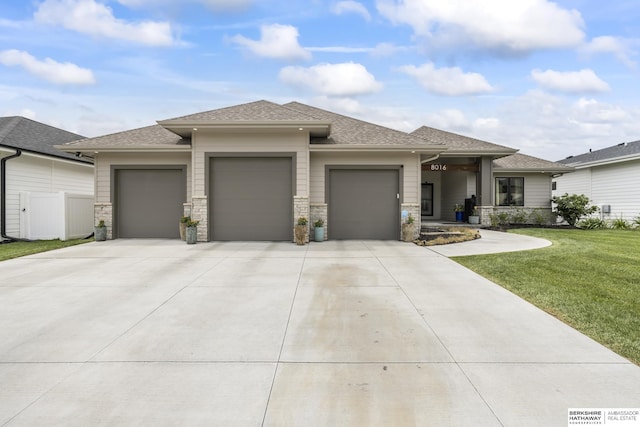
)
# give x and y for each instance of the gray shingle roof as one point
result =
(347, 130)
(253, 111)
(522, 162)
(624, 149)
(36, 137)
(457, 142)
(151, 136)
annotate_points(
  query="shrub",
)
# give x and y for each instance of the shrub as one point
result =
(620, 224)
(518, 216)
(538, 217)
(636, 222)
(573, 207)
(592, 223)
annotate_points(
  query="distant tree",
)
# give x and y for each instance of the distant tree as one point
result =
(573, 207)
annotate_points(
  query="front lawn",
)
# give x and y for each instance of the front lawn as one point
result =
(589, 279)
(18, 249)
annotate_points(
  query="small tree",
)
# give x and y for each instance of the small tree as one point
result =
(573, 207)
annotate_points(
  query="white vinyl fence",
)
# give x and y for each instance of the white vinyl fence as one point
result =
(60, 215)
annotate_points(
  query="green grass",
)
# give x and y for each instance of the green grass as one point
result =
(18, 249)
(589, 279)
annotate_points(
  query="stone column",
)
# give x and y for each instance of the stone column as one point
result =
(300, 208)
(414, 211)
(200, 212)
(104, 211)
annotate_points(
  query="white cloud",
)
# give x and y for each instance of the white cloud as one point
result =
(619, 47)
(448, 81)
(504, 26)
(582, 81)
(276, 41)
(96, 19)
(351, 7)
(50, 70)
(345, 79)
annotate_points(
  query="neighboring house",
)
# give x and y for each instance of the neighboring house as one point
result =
(609, 177)
(45, 193)
(247, 172)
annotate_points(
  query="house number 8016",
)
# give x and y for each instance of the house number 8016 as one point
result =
(438, 167)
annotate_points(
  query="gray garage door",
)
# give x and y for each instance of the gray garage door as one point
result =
(251, 198)
(148, 202)
(363, 204)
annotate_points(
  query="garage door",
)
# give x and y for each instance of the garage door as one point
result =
(252, 198)
(363, 204)
(149, 202)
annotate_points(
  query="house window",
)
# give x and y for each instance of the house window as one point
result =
(554, 185)
(510, 191)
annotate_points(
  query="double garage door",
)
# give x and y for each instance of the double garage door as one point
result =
(251, 198)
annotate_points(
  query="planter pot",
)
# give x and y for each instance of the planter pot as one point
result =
(459, 216)
(300, 232)
(474, 219)
(183, 231)
(408, 232)
(100, 234)
(318, 234)
(191, 235)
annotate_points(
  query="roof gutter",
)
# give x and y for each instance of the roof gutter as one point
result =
(3, 195)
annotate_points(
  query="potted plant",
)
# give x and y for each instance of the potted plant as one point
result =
(300, 231)
(100, 231)
(191, 232)
(474, 218)
(183, 227)
(459, 210)
(408, 229)
(318, 230)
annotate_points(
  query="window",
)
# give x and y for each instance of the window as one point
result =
(510, 191)
(554, 186)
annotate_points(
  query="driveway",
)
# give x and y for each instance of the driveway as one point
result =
(341, 333)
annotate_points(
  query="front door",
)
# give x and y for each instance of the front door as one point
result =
(426, 205)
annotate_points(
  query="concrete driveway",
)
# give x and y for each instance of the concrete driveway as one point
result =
(160, 333)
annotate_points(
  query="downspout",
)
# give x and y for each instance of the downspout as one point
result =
(3, 194)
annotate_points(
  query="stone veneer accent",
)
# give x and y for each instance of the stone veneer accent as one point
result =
(104, 211)
(318, 211)
(414, 210)
(199, 212)
(300, 208)
(484, 212)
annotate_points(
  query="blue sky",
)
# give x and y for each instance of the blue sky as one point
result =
(550, 78)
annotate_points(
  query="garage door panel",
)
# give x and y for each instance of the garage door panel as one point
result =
(251, 198)
(149, 202)
(363, 204)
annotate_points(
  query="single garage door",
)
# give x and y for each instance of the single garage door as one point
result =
(251, 198)
(363, 204)
(149, 202)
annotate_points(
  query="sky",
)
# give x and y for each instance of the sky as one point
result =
(550, 78)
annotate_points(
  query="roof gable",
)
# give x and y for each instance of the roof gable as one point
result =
(265, 111)
(36, 137)
(620, 151)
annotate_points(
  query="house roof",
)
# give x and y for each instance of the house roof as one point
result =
(460, 144)
(349, 131)
(154, 136)
(523, 163)
(261, 115)
(35, 137)
(620, 152)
